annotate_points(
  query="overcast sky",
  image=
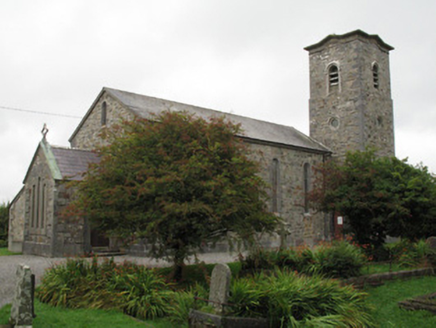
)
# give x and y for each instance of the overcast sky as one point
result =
(240, 56)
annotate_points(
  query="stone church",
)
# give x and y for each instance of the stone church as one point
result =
(350, 108)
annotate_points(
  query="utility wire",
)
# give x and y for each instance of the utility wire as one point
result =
(37, 112)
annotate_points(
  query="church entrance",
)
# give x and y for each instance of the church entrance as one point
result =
(99, 239)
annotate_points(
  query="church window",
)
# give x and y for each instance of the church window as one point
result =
(43, 200)
(38, 199)
(275, 186)
(379, 121)
(375, 75)
(306, 186)
(333, 76)
(38, 204)
(103, 113)
(334, 123)
(33, 207)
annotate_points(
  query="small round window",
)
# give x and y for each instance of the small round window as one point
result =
(334, 123)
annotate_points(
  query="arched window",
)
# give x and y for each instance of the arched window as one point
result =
(275, 186)
(33, 207)
(38, 204)
(306, 186)
(43, 205)
(103, 113)
(375, 75)
(333, 76)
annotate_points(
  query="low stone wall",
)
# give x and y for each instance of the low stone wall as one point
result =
(379, 278)
(198, 319)
(424, 302)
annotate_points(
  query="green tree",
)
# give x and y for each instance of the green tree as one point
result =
(4, 224)
(379, 197)
(177, 181)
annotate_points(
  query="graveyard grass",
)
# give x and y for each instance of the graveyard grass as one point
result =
(4, 252)
(55, 317)
(384, 299)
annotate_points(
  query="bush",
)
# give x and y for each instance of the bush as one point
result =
(4, 223)
(339, 259)
(290, 300)
(259, 259)
(134, 289)
(183, 301)
(415, 254)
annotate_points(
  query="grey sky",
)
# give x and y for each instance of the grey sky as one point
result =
(240, 56)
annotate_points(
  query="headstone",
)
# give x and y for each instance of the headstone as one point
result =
(431, 241)
(219, 286)
(22, 304)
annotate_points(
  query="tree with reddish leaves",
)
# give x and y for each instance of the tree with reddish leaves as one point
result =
(378, 197)
(179, 182)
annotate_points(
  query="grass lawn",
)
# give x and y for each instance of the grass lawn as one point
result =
(4, 251)
(52, 317)
(385, 300)
(375, 267)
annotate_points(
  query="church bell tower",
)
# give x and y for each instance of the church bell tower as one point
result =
(350, 106)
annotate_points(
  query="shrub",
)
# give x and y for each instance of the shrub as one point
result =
(259, 259)
(4, 222)
(183, 301)
(290, 300)
(414, 254)
(134, 289)
(339, 259)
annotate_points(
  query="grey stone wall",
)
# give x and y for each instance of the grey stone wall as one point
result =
(363, 114)
(71, 236)
(16, 224)
(59, 235)
(88, 136)
(38, 239)
(301, 228)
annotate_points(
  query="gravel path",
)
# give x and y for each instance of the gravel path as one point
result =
(38, 264)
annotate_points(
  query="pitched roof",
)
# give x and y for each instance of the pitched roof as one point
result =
(72, 163)
(255, 130)
(64, 163)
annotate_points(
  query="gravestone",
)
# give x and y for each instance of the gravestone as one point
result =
(218, 297)
(22, 303)
(431, 242)
(219, 286)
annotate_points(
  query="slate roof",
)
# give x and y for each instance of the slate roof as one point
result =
(72, 163)
(144, 106)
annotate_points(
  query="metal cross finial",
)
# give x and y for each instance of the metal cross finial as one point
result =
(44, 131)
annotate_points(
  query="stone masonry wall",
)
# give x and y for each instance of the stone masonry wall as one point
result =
(303, 228)
(38, 237)
(16, 224)
(362, 114)
(72, 233)
(89, 134)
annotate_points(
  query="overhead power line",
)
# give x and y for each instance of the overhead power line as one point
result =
(37, 112)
